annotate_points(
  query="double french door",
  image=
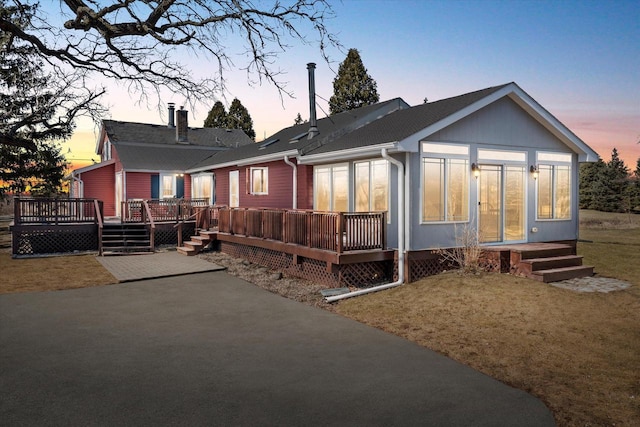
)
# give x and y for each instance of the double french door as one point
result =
(501, 203)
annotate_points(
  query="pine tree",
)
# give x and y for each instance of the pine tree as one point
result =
(618, 182)
(217, 117)
(239, 118)
(353, 87)
(30, 122)
(591, 177)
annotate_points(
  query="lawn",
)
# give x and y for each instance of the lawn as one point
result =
(578, 352)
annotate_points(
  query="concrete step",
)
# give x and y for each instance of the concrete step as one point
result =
(564, 273)
(535, 264)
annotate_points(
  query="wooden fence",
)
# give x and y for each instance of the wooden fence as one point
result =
(161, 210)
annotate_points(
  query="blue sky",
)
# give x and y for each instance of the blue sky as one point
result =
(579, 59)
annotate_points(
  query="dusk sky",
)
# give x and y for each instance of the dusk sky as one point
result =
(579, 59)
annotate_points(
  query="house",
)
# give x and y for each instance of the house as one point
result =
(147, 161)
(492, 160)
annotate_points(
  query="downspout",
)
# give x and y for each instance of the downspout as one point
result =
(294, 180)
(401, 251)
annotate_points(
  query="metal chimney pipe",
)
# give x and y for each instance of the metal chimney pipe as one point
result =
(172, 113)
(313, 123)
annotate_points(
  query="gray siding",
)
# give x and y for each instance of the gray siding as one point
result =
(501, 125)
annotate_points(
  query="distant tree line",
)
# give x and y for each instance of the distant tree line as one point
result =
(610, 186)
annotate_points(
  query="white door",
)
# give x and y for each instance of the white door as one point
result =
(501, 207)
(234, 189)
(119, 193)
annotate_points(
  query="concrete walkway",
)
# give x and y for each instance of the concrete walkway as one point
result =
(128, 268)
(211, 349)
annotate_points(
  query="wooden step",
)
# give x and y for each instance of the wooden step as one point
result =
(202, 239)
(211, 235)
(546, 252)
(564, 273)
(534, 264)
(195, 245)
(186, 251)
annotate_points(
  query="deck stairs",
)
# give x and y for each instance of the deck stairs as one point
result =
(548, 262)
(197, 243)
(126, 239)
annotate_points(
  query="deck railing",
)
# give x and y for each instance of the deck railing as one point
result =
(56, 211)
(161, 210)
(333, 231)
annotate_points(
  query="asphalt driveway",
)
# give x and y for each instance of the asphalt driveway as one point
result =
(211, 349)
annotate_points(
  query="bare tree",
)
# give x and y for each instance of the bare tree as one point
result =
(137, 41)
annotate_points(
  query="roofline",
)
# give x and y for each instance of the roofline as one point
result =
(330, 156)
(92, 167)
(248, 161)
(526, 102)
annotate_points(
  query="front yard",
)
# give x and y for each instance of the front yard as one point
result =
(578, 352)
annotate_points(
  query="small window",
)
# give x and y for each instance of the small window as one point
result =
(167, 186)
(372, 186)
(331, 188)
(259, 180)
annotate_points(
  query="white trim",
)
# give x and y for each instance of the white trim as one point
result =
(349, 154)
(92, 167)
(236, 174)
(244, 162)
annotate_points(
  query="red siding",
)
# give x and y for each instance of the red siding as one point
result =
(138, 185)
(280, 186)
(100, 184)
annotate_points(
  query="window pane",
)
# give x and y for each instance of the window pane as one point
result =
(380, 178)
(563, 192)
(545, 192)
(458, 191)
(554, 157)
(340, 189)
(514, 213)
(433, 190)
(322, 189)
(167, 186)
(362, 186)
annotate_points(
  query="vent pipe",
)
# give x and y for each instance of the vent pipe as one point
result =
(182, 126)
(313, 123)
(172, 112)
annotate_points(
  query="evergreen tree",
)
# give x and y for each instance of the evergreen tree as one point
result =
(618, 182)
(353, 87)
(32, 117)
(592, 175)
(239, 118)
(217, 117)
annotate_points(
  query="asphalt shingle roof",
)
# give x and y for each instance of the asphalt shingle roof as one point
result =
(329, 128)
(404, 123)
(150, 147)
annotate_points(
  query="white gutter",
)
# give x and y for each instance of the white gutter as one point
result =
(244, 162)
(330, 156)
(294, 180)
(401, 206)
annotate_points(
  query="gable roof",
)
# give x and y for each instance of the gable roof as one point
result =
(292, 140)
(404, 128)
(148, 147)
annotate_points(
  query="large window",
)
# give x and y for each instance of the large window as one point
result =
(201, 187)
(445, 182)
(554, 192)
(331, 188)
(372, 186)
(167, 186)
(259, 180)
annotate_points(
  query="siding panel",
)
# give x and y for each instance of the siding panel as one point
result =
(100, 184)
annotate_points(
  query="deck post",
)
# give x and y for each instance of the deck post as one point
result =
(383, 239)
(16, 211)
(285, 213)
(340, 227)
(309, 216)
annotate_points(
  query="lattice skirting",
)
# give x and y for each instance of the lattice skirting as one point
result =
(166, 234)
(358, 275)
(47, 240)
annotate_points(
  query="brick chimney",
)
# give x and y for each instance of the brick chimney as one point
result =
(182, 126)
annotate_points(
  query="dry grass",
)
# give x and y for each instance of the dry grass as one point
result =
(579, 353)
(52, 273)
